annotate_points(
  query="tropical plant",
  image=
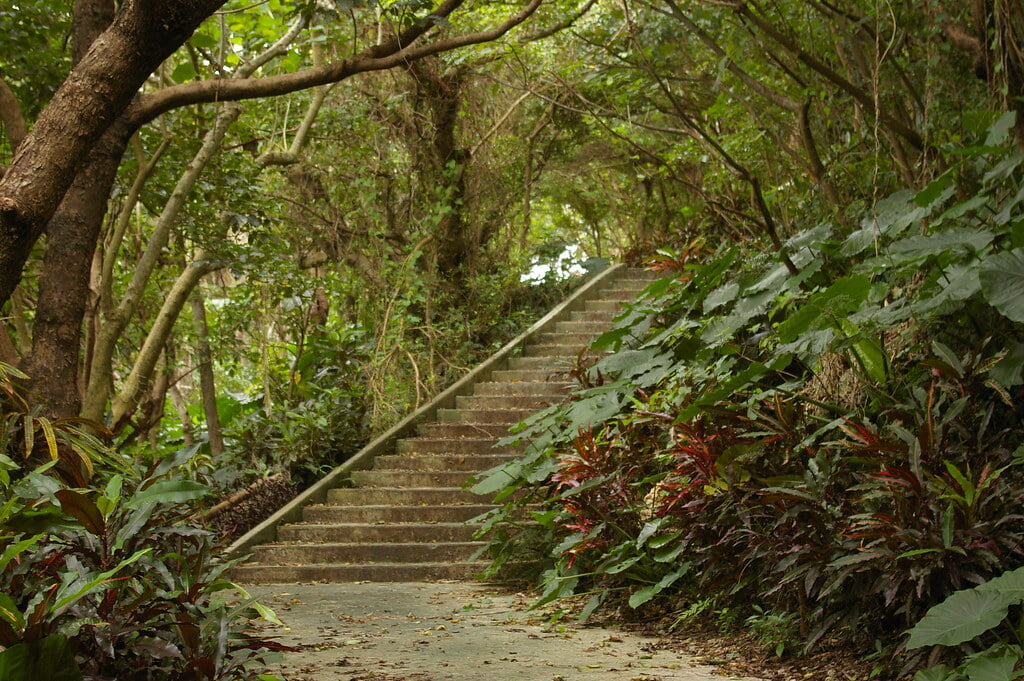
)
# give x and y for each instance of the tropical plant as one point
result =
(113, 582)
(829, 435)
(981, 614)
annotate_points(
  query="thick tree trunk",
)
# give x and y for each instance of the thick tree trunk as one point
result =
(445, 165)
(64, 281)
(8, 354)
(11, 116)
(98, 90)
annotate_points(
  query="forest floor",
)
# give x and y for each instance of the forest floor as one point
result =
(473, 632)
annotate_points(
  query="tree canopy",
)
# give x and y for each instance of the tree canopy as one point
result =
(265, 230)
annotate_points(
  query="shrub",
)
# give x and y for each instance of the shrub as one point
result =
(111, 583)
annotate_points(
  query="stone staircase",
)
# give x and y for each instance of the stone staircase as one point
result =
(404, 518)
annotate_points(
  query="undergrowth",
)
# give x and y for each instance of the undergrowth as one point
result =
(827, 436)
(102, 574)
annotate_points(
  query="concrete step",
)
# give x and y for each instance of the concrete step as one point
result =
(627, 283)
(505, 416)
(413, 479)
(604, 305)
(587, 328)
(564, 352)
(363, 533)
(576, 340)
(603, 317)
(403, 496)
(623, 290)
(444, 430)
(371, 572)
(531, 402)
(532, 388)
(531, 376)
(442, 462)
(348, 552)
(465, 445)
(534, 363)
(325, 515)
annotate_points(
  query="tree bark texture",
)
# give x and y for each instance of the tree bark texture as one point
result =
(446, 165)
(11, 116)
(64, 282)
(98, 89)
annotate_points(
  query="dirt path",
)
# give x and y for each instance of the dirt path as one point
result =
(451, 632)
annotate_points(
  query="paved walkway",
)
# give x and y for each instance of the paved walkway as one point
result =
(451, 632)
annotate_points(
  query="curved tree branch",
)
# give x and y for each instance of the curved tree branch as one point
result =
(96, 92)
(378, 58)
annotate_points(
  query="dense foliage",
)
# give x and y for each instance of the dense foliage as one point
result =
(112, 582)
(836, 437)
(816, 410)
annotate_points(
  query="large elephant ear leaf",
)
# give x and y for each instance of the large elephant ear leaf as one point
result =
(1002, 283)
(960, 618)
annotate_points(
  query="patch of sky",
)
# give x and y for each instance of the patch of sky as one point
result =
(568, 263)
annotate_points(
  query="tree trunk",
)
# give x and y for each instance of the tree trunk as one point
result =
(206, 382)
(64, 282)
(114, 325)
(142, 370)
(445, 166)
(187, 430)
(98, 89)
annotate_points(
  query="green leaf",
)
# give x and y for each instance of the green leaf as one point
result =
(590, 410)
(10, 613)
(939, 672)
(995, 666)
(264, 611)
(959, 283)
(590, 607)
(1002, 283)
(1000, 129)
(960, 618)
(99, 579)
(183, 72)
(826, 307)
(620, 566)
(958, 239)
(948, 518)
(721, 295)
(1009, 584)
(642, 595)
(16, 549)
(935, 189)
(498, 478)
(51, 659)
(168, 492)
(890, 217)
(669, 552)
(1009, 371)
(647, 531)
(203, 41)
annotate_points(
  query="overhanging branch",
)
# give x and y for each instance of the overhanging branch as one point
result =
(392, 53)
